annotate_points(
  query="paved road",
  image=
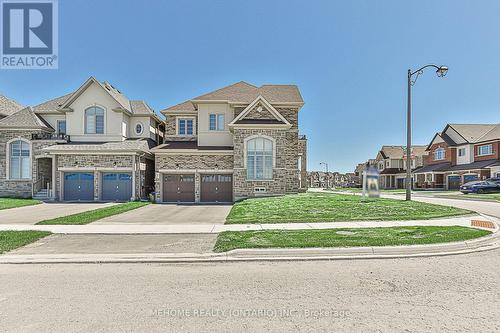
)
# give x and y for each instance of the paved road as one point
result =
(484, 207)
(36, 213)
(441, 294)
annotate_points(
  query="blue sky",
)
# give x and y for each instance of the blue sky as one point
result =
(349, 59)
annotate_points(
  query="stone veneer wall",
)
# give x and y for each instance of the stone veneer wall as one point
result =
(96, 162)
(302, 150)
(193, 163)
(19, 188)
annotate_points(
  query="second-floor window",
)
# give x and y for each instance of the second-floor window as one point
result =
(94, 120)
(185, 126)
(439, 154)
(485, 150)
(216, 122)
(461, 152)
(61, 126)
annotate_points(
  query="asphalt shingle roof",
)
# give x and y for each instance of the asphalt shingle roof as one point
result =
(8, 106)
(245, 93)
(24, 118)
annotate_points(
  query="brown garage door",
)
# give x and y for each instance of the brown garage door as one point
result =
(178, 188)
(216, 188)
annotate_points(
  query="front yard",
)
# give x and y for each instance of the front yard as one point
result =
(6, 203)
(96, 214)
(412, 235)
(328, 207)
(10, 239)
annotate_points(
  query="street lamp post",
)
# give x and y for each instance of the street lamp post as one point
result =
(326, 167)
(440, 71)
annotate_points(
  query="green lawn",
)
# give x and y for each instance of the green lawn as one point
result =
(6, 203)
(231, 240)
(10, 239)
(328, 207)
(96, 214)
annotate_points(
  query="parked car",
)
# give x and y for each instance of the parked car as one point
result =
(480, 187)
(495, 180)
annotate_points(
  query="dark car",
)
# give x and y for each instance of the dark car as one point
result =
(480, 187)
(495, 180)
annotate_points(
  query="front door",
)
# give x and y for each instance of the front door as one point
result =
(178, 188)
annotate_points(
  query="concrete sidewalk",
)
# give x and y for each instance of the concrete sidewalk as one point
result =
(216, 228)
(487, 243)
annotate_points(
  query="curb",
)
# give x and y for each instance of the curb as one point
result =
(482, 244)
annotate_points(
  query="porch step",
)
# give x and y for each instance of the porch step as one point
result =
(41, 195)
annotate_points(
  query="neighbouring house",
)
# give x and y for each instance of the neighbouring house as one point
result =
(320, 179)
(236, 142)
(8, 106)
(91, 144)
(362, 167)
(459, 154)
(391, 163)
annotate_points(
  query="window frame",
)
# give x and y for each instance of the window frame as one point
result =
(9, 157)
(85, 121)
(142, 128)
(218, 127)
(439, 150)
(59, 121)
(490, 146)
(461, 149)
(267, 175)
(178, 129)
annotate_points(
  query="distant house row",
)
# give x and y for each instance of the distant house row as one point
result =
(320, 179)
(458, 154)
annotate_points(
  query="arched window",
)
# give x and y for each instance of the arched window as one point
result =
(259, 158)
(439, 154)
(94, 120)
(19, 160)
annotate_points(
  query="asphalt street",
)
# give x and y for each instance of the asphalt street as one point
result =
(438, 294)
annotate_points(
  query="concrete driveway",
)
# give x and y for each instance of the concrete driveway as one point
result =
(171, 214)
(44, 211)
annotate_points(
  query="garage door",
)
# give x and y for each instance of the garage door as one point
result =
(116, 186)
(470, 178)
(178, 188)
(454, 182)
(216, 188)
(78, 186)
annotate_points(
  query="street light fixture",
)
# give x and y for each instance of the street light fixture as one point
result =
(440, 72)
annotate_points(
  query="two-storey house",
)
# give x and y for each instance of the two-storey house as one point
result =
(91, 144)
(236, 142)
(391, 163)
(459, 154)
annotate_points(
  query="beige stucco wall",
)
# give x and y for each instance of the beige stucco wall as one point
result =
(94, 95)
(214, 138)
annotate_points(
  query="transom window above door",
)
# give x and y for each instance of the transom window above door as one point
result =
(94, 120)
(185, 126)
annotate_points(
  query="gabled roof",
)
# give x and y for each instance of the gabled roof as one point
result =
(135, 107)
(52, 106)
(472, 133)
(263, 103)
(25, 119)
(397, 152)
(8, 106)
(445, 138)
(244, 93)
